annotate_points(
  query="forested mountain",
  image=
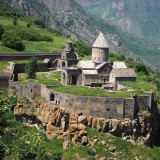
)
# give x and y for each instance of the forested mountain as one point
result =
(139, 17)
(70, 18)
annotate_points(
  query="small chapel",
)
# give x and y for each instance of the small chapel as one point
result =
(97, 72)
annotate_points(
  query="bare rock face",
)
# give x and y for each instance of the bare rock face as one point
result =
(59, 123)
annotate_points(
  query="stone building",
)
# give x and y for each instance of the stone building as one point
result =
(97, 72)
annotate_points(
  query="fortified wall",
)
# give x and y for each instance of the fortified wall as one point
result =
(26, 56)
(117, 108)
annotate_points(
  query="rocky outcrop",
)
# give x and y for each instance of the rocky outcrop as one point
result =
(61, 124)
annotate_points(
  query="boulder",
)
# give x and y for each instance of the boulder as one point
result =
(52, 135)
(94, 123)
(73, 119)
(89, 121)
(84, 140)
(65, 136)
(74, 139)
(81, 127)
(82, 133)
(82, 119)
(112, 149)
(66, 144)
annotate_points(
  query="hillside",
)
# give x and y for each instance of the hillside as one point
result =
(20, 141)
(139, 17)
(68, 17)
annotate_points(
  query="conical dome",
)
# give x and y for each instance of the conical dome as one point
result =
(100, 42)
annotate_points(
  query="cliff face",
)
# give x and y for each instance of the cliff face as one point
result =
(61, 124)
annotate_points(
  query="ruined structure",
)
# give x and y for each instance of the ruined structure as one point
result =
(95, 72)
(118, 108)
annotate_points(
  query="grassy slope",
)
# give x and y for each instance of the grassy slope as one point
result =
(57, 45)
(3, 65)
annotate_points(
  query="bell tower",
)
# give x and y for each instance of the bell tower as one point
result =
(100, 49)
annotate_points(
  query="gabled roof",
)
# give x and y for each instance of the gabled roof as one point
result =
(119, 65)
(100, 65)
(46, 60)
(86, 64)
(123, 72)
(89, 72)
(100, 42)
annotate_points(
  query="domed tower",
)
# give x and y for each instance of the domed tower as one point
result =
(100, 49)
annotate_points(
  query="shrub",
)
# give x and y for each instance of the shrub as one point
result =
(31, 67)
(82, 49)
(29, 35)
(1, 31)
(29, 24)
(15, 22)
(39, 22)
(46, 38)
(140, 67)
(12, 40)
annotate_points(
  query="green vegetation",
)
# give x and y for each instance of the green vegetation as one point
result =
(3, 65)
(12, 40)
(53, 79)
(31, 68)
(1, 31)
(15, 21)
(47, 78)
(82, 49)
(19, 141)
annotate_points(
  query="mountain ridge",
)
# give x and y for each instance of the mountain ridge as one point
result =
(70, 18)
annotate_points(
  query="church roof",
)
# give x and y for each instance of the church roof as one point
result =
(124, 72)
(89, 72)
(86, 64)
(100, 42)
(100, 65)
(119, 65)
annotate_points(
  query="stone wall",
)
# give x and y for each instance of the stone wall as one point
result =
(22, 56)
(118, 108)
(4, 79)
(20, 68)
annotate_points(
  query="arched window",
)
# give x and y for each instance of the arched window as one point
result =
(63, 64)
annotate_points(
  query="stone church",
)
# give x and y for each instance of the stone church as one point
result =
(97, 72)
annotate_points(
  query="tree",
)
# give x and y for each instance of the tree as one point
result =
(1, 31)
(31, 68)
(121, 57)
(15, 22)
(12, 40)
(140, 67)
(29, 24)
(39, 22)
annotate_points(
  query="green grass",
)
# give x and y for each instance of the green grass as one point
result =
(31, 46)
(124, 150)
(140, 85)
(53, 79)
(3, 65)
